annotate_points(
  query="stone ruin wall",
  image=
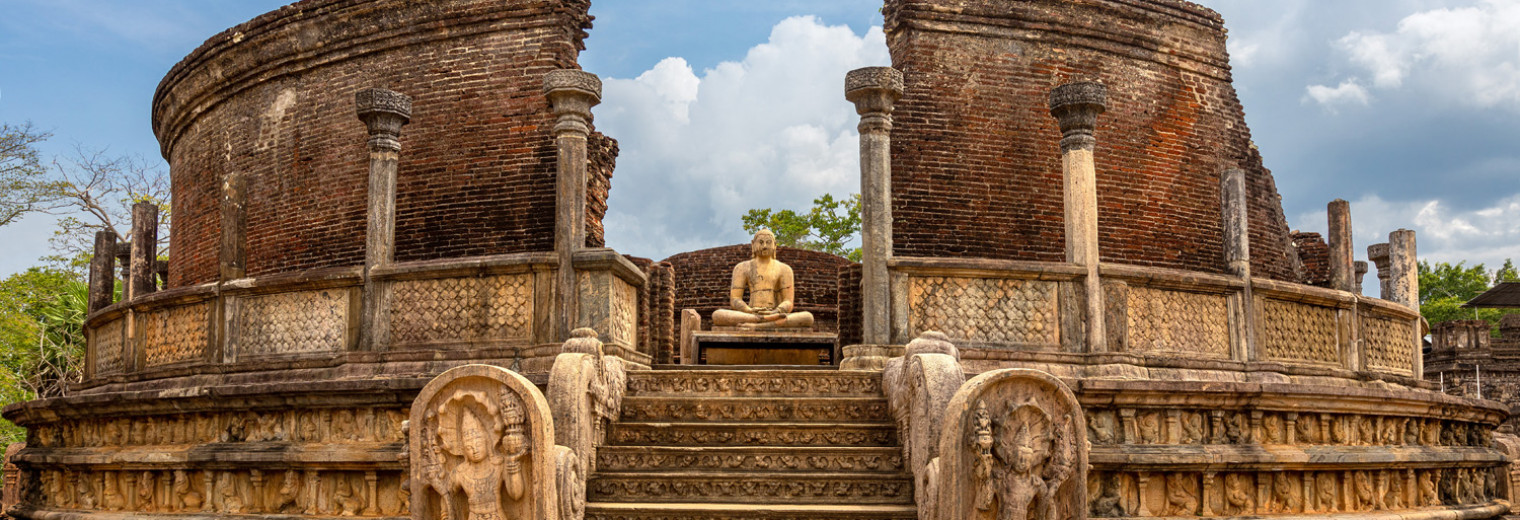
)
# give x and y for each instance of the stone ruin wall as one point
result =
(1314, 255)
(1458, 346)
(702, 280)
(975, 163)
(272, 100)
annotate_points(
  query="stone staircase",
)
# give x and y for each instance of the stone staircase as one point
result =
(751, 444)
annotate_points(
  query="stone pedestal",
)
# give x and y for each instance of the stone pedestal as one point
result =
(777, 347)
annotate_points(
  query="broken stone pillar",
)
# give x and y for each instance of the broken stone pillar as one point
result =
(102, 271)
(1378, 253)
(873, 90)
(571, 95)
(234, 227)
(1404, 275)
(1341, 254)
(383, 112)
(144, 249)
(124, 259)
(1237, 229)
(1076, 107)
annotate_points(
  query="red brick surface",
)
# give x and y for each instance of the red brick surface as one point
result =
(702, 280)
(976, 164)
(273, 99)
(1314, 253)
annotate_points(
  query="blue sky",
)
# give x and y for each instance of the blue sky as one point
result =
(1407, 108)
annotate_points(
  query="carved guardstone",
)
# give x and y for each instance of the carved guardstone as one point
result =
(1014, 447)
(481, 446)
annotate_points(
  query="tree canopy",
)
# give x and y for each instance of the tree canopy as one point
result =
(828, 226)
(1444, 287)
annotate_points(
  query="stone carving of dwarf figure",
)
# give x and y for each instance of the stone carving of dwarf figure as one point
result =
(769, 283)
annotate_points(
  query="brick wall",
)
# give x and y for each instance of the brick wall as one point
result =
(272, 99)
(851, 331)
(976, 165)
(702, 280)
(1314, 256)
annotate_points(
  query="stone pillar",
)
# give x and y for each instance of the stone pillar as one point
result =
(571, 95)
(102, 271)
(144, 249)
(383, 112)
(234, 227)
(1341, 254)
(1404, 275)
(1076, 107)
(873, 90)
(1378, 254)
(1237, 229)
(124, 259)
(1360, 271)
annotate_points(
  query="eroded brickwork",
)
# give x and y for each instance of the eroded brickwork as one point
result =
(1314, 254)
(976, 168)
(702, 280)
(477, 168)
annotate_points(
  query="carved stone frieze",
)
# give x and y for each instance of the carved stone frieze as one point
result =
(109, 355)
(659, 434)
(984, 310)
(755, 410)
(718, 488)
(1293, 331)
(174, 335)
(292, 323)
(740, 384)
(1163, 321)
(1126, 494)
(231, 491)
(798, 459)
(481, 445)
(321, 425)
(488, 308)
(1117, 426)
(1388, 344)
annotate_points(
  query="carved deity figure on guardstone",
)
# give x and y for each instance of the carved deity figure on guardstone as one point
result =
(1013, 448)
(771, 293)
(481, 448)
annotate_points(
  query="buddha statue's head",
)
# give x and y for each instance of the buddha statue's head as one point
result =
(764, 244)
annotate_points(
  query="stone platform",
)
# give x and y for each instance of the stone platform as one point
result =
(745, 347)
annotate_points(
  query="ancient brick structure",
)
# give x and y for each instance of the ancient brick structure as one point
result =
(702, 280)
(388, 299)
(975, 173)
(1464, 356)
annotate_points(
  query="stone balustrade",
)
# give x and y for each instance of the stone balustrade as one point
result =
(494, 307)
(999, 310)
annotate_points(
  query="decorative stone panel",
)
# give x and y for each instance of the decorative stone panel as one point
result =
(1388, 344)
(1297, 332)
(448, 310)
(108, 344)
(984, 310)
(1163, 321)
(174, 335)
(622, 326)
(292, 323)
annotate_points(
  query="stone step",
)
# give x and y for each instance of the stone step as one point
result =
(749, 459)
(750, 488)
(752, 434)
(663, 511)
(756, 409)
(747, 383)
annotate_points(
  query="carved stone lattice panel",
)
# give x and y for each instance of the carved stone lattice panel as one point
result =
(293, 323)
(229, 491)
(984, 310)
(1388, 345)
(175, 334)
(1179, 322)
(109, 358)
(1297, 332)
(1128, 494)
(623, 324)
(444, 310)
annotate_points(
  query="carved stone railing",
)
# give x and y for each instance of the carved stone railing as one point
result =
(497, 306)
(998, 310)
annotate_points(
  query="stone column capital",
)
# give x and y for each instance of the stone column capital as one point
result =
(384, 112)
(1076, 107)
(571, 94)
(873, 90)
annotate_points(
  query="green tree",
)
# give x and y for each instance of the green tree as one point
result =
(1507, 272)
(24, 183)
(828, 227)
(1445, 287)
(42, 340)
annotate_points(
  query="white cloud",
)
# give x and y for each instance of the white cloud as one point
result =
(1467, 56)
(698, 150)
(1443, 233)
(1348, 91)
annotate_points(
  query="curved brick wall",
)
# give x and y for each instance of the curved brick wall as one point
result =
(702, 280)
(272, 99)
(976, 165)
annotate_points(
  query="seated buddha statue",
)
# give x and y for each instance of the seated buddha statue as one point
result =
(769, 283)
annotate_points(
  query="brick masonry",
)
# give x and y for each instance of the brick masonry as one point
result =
(272, 99)
(702, 280)
(976, 166)
(1314, 253)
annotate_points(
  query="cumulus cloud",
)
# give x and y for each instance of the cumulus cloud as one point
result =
(1348, 91)
(1466, 56)
(699, 149)
(1443, 232)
